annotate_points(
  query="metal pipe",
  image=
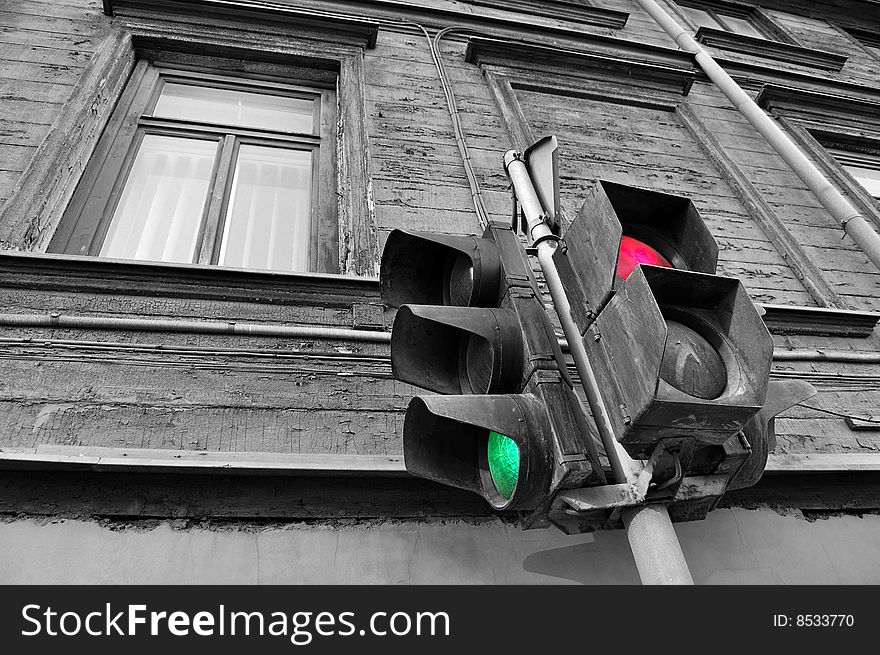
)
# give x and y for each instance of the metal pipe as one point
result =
(649, 529)
(624, 467)
(536, 225)
(58, 320)
(655, 545)
(853, 223)
(841, 356)
(652, 538)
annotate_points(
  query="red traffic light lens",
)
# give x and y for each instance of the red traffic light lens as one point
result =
(634, 252)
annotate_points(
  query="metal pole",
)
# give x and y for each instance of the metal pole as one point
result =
(854, 224)
(655, 546)
(650, 532)
(624, 467)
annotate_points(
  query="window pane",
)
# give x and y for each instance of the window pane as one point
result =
(701, 18)
(268, 219)
(233, 107)
(867, 177)
(160, 210)
(742, 26)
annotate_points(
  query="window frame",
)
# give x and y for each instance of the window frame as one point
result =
(867, 158)
(867, 41)
(758, 19)
(85, 223)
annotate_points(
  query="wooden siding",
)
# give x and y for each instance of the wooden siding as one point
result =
(260, 394)
(45, 47)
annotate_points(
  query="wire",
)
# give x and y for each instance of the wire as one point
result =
(833, 413)
(452, 105)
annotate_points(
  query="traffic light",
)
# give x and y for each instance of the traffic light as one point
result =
(508, 426)
(682, 355)
(760, 432)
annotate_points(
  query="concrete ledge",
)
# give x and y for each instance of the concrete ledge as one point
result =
(49, 457)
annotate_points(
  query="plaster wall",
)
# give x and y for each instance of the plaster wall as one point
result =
(732, 546)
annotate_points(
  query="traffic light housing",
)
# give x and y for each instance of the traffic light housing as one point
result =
(509, 426)
(681, 354)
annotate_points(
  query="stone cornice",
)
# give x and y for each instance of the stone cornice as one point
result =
(363, 31)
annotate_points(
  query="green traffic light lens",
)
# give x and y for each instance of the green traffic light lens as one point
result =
(503, 456)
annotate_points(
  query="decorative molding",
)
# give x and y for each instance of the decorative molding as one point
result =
(813, 138)
(806, 102)
(819, 321)
(769, 49)
(801, 264)
(33, 212)
(576, 11)
(74, 274)
(823, 462)
(490, 15)
(29, 217)
(339, 27)
(511, 113)
(865, 38)
(830, 485)
(661, 68)
(153, 460)
(816, 119)
(230, 496)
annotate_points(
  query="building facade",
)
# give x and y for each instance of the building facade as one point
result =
(194, 196)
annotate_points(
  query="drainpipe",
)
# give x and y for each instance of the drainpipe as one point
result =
(853, 223)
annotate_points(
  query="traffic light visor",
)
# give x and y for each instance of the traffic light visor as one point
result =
(619, 227)
(439, 269)
(477, 443)
(467, 350)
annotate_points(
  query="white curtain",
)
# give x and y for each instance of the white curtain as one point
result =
(159, 213)
(268, 221)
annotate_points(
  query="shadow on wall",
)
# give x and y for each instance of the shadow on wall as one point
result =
(604, 560)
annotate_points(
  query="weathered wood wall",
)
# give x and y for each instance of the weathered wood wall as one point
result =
(230, 393)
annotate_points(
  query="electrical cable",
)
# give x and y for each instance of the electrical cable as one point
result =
(452, 105)
(833, 413)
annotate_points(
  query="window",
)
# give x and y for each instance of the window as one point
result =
(200, 168)
(730, 27)
(864, 168)
(729, 18)
(719, 20)
(870, 41)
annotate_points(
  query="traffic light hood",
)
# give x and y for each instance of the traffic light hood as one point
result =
(669, 225)
(656, 375)
(446, 439)
(457, 349)
(439, 269)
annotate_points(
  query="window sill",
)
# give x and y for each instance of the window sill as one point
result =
(767, 49)
(852, 102)
(92, 275)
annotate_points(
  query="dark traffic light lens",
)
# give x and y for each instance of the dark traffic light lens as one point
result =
(475, 365)
(634, 252)
(503, 456)
(460, 281)
(691, 364)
